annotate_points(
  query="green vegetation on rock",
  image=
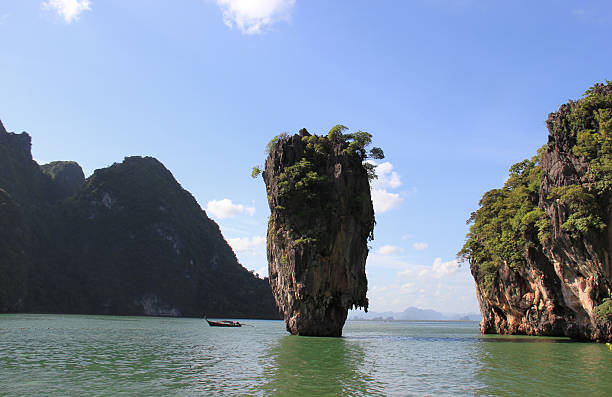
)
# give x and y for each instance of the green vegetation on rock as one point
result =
(305, 187)
(506, 220)
(604, 311)
(509, 220)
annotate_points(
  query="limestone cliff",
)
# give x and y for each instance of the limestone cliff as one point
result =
(539, 248)
(321, 218)
(128, 240)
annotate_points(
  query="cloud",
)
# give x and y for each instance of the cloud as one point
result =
(384, 201)
(252, 16)
(420, 246)
(440, 269)
(251, 246)
(407, 288)
(68, 9)
(388, 250)
(226, 209)
(437, 270)
(386, 177)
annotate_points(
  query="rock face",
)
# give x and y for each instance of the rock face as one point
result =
(66, 177)
(128, 240)
(321, 218)
(567, 271)
(15, 244)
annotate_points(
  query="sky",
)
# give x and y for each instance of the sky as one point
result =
(454, 91)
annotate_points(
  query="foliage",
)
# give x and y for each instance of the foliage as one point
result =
(506, 220)
(305, 240)
(589, 123)
(336, 133)
(377, 153)
(302, 183)
(591, 119)
(305, 187)
(604, 311)
(274, 141)
(319, 147)
(583, 208)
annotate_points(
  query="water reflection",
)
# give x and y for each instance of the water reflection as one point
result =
(543, 366)
(315, 366)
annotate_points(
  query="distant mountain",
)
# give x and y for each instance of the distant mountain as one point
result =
(128, 240)
(413, 313)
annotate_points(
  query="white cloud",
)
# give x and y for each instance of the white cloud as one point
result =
(420, 246)
(68, 9)
(386, 176)
(388, 250)
(407, 288)
(440, 269)
(226, 209)
(437, 270)
(251, 246)
(384, 201)
(252, 16)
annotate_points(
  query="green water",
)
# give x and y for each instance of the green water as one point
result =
(103, 355)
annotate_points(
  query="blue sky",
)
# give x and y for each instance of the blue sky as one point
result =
(454, 91)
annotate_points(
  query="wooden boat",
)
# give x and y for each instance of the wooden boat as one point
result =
(224, 323)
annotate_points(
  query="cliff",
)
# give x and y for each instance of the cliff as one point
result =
(320, 222)
(539, 248)
(128, 240)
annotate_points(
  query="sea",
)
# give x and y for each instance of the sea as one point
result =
(71, 355)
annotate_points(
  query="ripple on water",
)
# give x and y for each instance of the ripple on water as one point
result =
(100, 355)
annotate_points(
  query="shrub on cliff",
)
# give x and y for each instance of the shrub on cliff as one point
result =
(604, 311)
(304, 187)
(506, 218)
(509, 219)
(319, 146)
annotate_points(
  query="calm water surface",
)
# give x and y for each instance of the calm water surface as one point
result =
(104, 355)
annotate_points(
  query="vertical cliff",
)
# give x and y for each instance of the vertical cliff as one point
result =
(539, 249)
(321, 219)
(128, 240)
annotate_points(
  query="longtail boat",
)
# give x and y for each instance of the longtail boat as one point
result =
(224, 323)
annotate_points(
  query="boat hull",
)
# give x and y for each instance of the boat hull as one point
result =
(223, 324)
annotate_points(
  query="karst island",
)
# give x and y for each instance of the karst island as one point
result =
(321, 220)
(539, 248)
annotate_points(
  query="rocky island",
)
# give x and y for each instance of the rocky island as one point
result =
(128, 240)
(539, 248)
(321, 219)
